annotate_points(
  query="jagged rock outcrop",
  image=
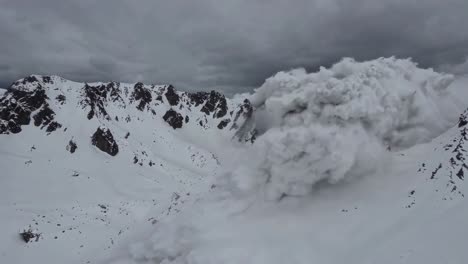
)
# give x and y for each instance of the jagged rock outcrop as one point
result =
(214, 103)
(61, 99)
(38, 98)
(198, 98)
(17, 106)
(245, 111)
(223, 123)
(27, 80)
(72, 146)
(171, 96)
(452, 167)
(104, 140)
(30, 235)
(463, 120)
(174, 119)
(244, 124)
(45, 117)
(142, 95)
(96, 97)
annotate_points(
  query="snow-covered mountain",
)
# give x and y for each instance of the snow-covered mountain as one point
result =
(363, 162)
(79, 160)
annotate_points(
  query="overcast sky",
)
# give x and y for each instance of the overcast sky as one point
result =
(220, 44)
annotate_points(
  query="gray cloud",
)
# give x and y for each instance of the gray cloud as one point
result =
(210, 44)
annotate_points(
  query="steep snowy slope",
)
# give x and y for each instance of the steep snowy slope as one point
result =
(83, 164)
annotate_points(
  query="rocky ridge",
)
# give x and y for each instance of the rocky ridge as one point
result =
(38, 99)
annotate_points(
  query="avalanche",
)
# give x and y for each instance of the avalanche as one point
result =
(338, 122)
(363, 162)
(283, 199)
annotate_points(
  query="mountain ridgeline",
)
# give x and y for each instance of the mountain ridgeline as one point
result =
(39, 100)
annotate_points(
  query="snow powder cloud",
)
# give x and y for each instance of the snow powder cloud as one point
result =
(340, 122)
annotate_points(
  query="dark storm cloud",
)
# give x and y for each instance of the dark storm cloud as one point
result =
(211, 44)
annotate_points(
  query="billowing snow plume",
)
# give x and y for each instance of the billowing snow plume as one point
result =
(339, 122)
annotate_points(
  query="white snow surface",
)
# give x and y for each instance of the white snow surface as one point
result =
(359, 163)
(85, 203)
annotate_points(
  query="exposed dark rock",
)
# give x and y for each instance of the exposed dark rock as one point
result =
(463, 120)
(53, 126)
(30, 79)
(104, 140)
(203, 121)
(210, 103)
(216, 103)
(46, 79)
(12, 127)
(251, 136)
(72, 146)
(61, 98)
(115, 93)
(171, 96)
(243, 123)
(245, 111)
(21, 103)
(174, 119)
(16, 108)
(96, 98)
(198, 98)
(460, 174)
(142, 94)
(20, 83)
(224, 123)
(452, 170)
(44, 116)
(30, 235)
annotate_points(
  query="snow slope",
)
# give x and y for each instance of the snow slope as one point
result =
(84, 201)
(360, 163)
(399, 215)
